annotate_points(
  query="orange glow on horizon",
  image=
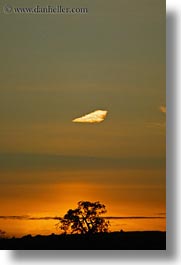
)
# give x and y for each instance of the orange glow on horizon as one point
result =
(42, 200)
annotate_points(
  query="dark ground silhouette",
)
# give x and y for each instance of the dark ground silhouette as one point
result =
(147, 240)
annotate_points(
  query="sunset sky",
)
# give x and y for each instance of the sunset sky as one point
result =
(55, 68)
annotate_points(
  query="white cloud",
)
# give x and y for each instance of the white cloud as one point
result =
(93, 117)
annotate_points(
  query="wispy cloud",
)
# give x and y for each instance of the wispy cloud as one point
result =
(26, 217)
(16, 217)
(158, 125)
(161, 214)
(155, 125)
(133, 217)
(163, 109)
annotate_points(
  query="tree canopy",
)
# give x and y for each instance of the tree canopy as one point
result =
(85, 219)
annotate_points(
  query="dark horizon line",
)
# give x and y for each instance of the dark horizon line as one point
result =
(26, 217)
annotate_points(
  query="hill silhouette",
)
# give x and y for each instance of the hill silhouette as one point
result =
(147, 240)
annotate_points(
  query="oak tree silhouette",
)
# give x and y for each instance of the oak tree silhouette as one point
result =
(85, 219)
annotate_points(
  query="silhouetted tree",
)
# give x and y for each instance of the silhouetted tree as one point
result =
(85, 219)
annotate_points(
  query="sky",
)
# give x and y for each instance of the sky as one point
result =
(55, 68)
